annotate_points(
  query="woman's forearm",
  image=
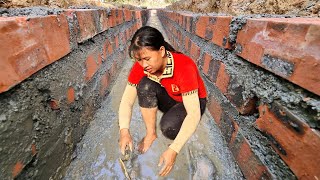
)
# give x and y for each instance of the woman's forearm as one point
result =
(125, 108)
(190, 123)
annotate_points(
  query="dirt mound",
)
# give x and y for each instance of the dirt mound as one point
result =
(244, 7)
(51, 3)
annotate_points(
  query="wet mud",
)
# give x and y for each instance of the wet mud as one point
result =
(205, 155)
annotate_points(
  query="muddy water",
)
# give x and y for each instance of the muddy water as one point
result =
(205, 155)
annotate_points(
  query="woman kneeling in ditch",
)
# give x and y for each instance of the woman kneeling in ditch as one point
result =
(163, 79)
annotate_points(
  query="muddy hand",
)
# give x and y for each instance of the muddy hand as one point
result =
(167, 158)
(127, 154)
(125, 140)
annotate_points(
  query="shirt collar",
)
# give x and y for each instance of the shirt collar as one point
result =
(167, 72)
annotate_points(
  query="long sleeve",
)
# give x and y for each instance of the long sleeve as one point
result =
(125, 108)
(191, 121)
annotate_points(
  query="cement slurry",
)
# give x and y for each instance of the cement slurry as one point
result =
(205, 155)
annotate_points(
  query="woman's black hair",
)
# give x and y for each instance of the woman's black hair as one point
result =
(148, 37)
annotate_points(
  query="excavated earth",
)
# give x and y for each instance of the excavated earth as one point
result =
(244, 7)
(230, 7)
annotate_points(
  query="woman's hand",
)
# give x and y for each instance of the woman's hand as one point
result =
(125, 139)
(168, 158)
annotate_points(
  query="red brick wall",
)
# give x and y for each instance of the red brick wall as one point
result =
(270, 136)
(55, 70)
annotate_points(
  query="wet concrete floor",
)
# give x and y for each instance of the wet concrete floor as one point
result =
(205, 155)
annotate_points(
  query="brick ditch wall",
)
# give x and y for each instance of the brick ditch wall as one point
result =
(262, 78)
(55, 71)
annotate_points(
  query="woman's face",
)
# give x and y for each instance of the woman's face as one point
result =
(152, 61)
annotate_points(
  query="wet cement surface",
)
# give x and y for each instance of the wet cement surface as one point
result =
(204, 156)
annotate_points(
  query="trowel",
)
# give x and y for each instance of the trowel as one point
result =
(124, 158)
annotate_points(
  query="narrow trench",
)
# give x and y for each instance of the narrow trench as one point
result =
(204, 156)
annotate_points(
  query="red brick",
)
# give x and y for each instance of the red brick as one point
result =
(97, 55)
(250, 165)
(53, 31)
(128, 37)
(109, 48)
(296, 143)
(124, 38)
(138, 25)
(170, 15)
(113, 69)
(292, 42)
(112, 18)
(116, 41)
(189, 23)
(99, 58)
(173, 16)
(203, 28)
(228, 126)
(215, 109)
(248, 106)
(103, 18)
(244, 105)
(134, 28)
(120, 17)
(91, 66)
(176, 18)
(105, 81)
(223, 79)
(234, 134)
(214, 67)
(182, 23)
(221, 29)
(215, 28)
(104, 52)
(70, 95)
(130, 33)
(33, 149)
(175, 32)
(195, 51)
(187, 44)
(217, 73)
(127, 15)
(138, 14)
(180, 19)
(17, 169)
(54, 104)
(29, 45)
(207, 59)
(87, 113)
(180, 38)
(87, 24)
